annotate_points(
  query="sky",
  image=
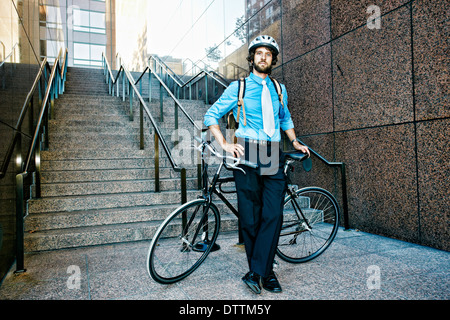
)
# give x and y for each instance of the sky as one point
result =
(185, 28)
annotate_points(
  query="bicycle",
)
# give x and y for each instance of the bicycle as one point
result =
(186, 237)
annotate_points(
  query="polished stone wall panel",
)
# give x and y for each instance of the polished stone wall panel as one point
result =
(306, 25)
(320, 175)
(347, 15)
(431, 34)
(381, 179)
(361, 96)
(433, 157)
(308, 81)
(372, 74)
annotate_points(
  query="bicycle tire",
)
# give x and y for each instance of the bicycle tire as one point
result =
(301, 241)
(173, 256)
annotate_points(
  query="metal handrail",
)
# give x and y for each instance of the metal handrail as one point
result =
(177, 102)
(12, 51)
(55, 86)
(340, 165)
(200, 75)
(159, 138)
(208, 73)
(17, 129)
(174, 76)
(195, 65)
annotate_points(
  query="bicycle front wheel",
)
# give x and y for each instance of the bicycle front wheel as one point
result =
(183, 241)
(310, 224)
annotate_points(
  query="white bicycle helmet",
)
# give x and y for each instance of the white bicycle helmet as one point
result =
(264, 41)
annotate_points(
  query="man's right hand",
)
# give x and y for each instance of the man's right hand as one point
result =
(235, 149)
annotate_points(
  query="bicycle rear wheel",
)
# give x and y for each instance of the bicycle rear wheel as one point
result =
(310, 224)
(183, 241)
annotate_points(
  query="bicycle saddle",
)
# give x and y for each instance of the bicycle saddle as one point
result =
(296, 155)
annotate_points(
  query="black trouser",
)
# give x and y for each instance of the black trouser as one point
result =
(260, 194)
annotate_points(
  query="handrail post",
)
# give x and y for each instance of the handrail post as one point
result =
(123, 86)
(19, 209)
(161, 107)
(344, 195)
(206, 89)
(45, 129)
(53, 88)
(37, 176)
(341, 165)
(157, 187)
(141, 125)
(20, 265)
(176, 125)
(40, 91)
(199, 165)
(52, 100)
(130, 96)
(118, 87)
(149, 85)
(183, 186)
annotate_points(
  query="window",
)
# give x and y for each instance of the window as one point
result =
(50, 17)
(88, 54)
(89, 21)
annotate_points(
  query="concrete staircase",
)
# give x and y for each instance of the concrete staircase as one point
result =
(97, 185)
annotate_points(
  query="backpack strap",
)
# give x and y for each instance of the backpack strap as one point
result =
(279, 90)
(241, 91)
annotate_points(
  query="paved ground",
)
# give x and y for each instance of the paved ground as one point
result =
(357, 266)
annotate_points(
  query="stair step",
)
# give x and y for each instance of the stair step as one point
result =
(77, 219)
(92, 202)
(110, 187)
(97, 186)
(104, 234)
(95, 164)
(113, 154)
(98, 175)
(107, 201)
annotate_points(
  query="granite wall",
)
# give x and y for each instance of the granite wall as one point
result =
(374, 94)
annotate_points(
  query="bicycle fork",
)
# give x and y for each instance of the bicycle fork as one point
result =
(300, 216)
(293, 195)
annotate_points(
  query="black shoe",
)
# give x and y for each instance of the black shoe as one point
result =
(270, 283)
(253, 281)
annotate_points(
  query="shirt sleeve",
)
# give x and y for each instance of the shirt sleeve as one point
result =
(224, 104)
(286, 122)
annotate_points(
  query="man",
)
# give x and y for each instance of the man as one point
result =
(260, 191)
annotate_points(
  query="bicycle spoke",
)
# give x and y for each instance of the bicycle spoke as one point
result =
(173, 254)
(309, 231)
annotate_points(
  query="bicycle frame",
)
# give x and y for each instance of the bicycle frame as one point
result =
(207, 193)
(294, 196)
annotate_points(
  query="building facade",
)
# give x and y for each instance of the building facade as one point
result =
(84, 27)
(368, 85)
(367, 81)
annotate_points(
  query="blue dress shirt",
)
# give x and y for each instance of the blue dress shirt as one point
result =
(253, 109)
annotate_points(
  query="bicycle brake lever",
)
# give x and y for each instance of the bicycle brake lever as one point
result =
(235, 167)
(240, 169)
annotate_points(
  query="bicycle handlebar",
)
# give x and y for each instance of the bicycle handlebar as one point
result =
(236, 161)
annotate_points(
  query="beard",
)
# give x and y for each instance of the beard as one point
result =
(267, 69)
